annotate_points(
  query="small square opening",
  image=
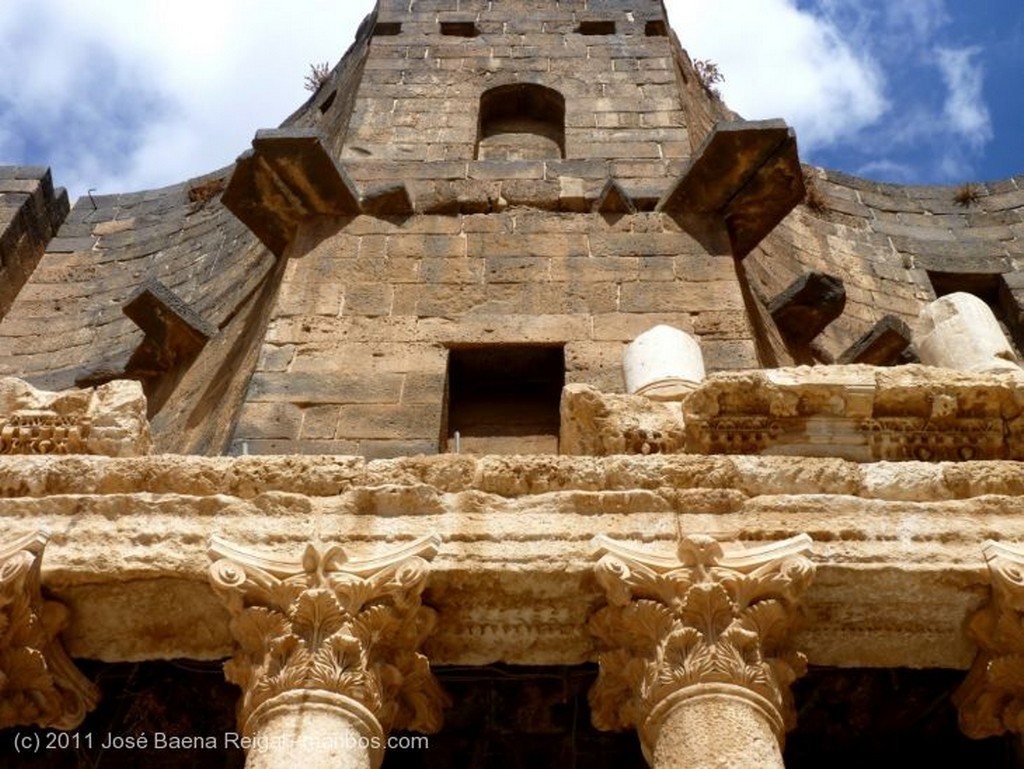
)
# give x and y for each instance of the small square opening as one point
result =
(504, 399)
(596, 28)
(387, 28)
(459, 29)
(656, 28)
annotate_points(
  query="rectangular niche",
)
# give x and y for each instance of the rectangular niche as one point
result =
(991, 288)
(503, 399)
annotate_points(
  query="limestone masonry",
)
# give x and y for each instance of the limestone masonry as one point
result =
(516, 392)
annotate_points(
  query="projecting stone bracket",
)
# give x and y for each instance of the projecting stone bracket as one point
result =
(613, 200)
(288, 176)
(807, 306)
(39, 684)
(744, 179)
(883, 345)
(175, 333)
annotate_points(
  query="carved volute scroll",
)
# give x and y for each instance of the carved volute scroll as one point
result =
(705, 621)
(991, 698)
(328, 624)
(39, 685)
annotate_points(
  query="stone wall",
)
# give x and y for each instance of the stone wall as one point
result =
(355, 357)
(883, 241)
(30, 213)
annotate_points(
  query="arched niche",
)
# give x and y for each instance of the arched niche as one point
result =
(521, 121)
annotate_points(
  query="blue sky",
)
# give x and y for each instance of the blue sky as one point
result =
(119, 95)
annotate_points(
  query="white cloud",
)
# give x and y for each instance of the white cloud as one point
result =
(781, 61)
(965, 107)
(130, 94)
(189, 81)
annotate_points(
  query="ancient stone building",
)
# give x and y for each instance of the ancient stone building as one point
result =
(515, 392)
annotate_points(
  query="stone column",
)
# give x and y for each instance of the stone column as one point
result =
(663, 363)
(696, 650)
(328, 653)
(959, 331)
(991, 698)
(39, 684)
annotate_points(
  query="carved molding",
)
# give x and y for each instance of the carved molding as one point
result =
(39, 684)
(991, 698)
(106, 420)
(331, 624)
(703, 622)
(43, 432)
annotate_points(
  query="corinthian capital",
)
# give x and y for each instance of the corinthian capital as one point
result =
(38, 682)
(991, 698)
(701, 622)
(329, 624)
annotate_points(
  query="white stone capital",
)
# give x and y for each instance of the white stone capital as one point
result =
(705, 629)
(40, 684)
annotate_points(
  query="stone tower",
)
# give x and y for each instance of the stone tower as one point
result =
(514, 350)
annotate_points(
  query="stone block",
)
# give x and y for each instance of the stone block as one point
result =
(810, 303)
(175, 333)
(287, 177)
(742, 182)
(883, 345)
(391, 200)
(325, 387)
(270, 421)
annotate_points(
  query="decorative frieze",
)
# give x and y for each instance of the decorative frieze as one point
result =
(857, 412)
(991, 699)
(109, 419)
(702, 624)
(331, 628)
(39, 684)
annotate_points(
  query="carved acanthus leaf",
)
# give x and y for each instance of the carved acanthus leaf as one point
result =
(329, 623)
(38, 682)
(991, 698)
(705, 617)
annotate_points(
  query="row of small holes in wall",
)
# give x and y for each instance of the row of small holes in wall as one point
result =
(656, 28)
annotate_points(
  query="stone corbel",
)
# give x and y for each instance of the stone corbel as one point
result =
(328, 646)
(696, 652)
(40, 684)
(991, 698)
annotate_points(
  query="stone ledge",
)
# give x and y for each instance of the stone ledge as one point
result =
(899, 554)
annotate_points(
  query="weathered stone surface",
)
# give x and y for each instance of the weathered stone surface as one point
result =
(897, 551)
(990, 699)
(810, 303)
(602, 424)
(327, 627)
(742, 181)
(860, 413)
(705, 625)
(959, 331)
(41, 686)
(175, 333)
(881, 346)
(288, 176)
(108, 420)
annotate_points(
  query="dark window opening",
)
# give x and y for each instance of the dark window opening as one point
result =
(459, 29)
(521, 122)
(504, 399)
(991, 288)
(596, 28)
(656, 28)
(387, 28)
(328, 102)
